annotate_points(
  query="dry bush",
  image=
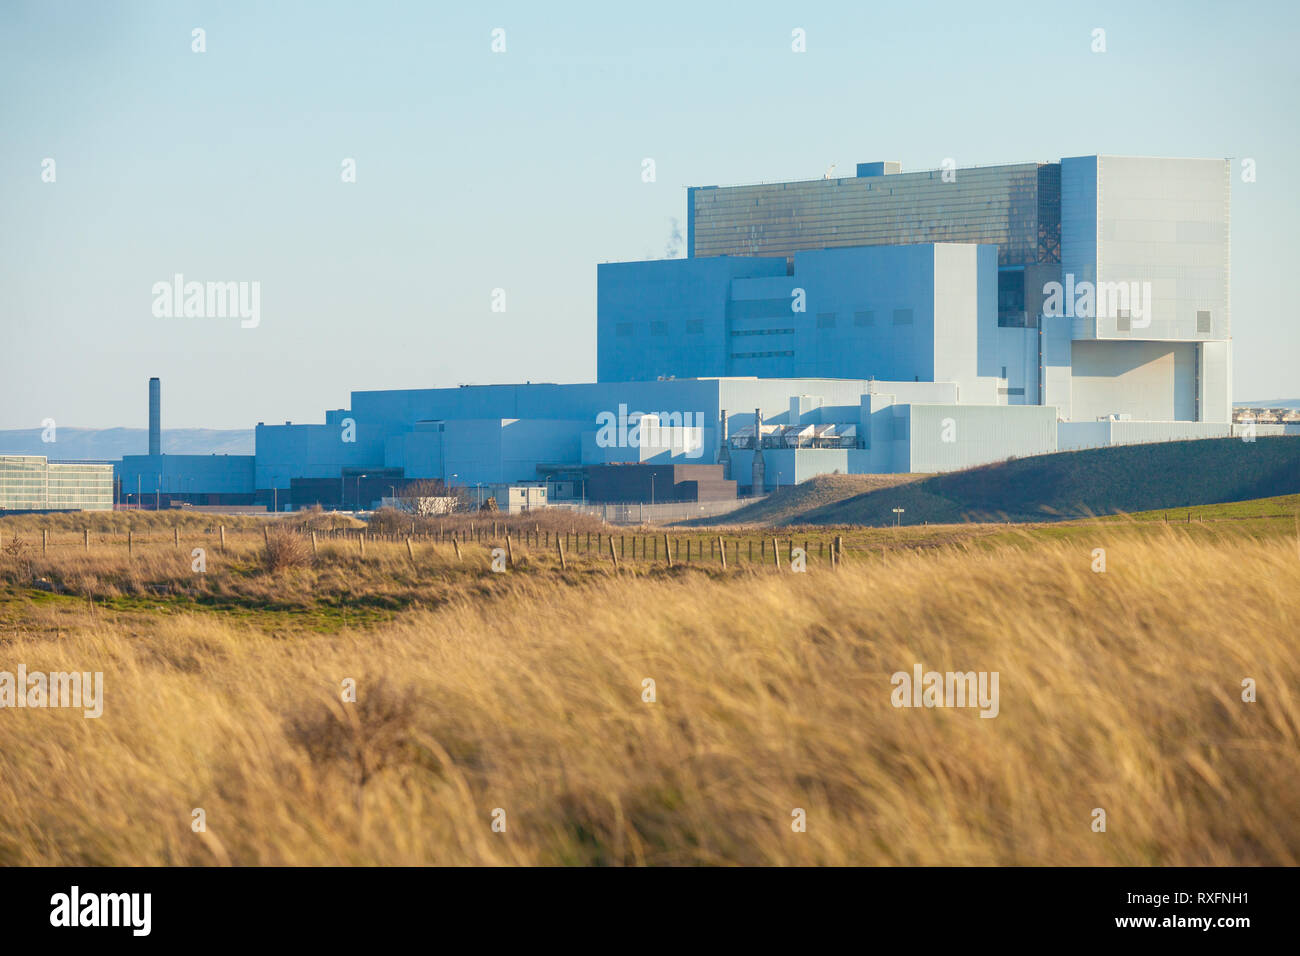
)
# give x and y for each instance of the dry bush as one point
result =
(286, 549)
(317, 519)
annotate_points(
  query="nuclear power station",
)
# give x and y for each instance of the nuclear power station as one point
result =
(885, 322)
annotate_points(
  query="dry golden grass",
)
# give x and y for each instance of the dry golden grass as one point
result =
(523, 692)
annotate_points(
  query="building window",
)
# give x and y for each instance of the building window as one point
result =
(864, 319)
(623, 329)
(694, 326)
(826, 320)
(658, 328)
(1203, 321)
(763, 332)
(902, 316)
(746, 355)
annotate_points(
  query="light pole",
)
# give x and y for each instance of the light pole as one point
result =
(359, 477)
(478, 497)
(898, 516)
(778, 482)
(653, 476)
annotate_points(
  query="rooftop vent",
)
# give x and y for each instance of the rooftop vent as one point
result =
(886, 168)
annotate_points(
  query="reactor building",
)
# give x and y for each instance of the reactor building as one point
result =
(885, 322)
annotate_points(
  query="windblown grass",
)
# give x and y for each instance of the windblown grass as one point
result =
(523, 692)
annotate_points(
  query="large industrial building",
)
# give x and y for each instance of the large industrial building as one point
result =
(34, 483)
(884, 322)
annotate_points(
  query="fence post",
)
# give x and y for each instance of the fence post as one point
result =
(722, 552)
(510, 551)
(667, 553)
(559, 546)
(176, 536)
(45, 540)
(409, 551)
(86, 532)
(613, 556)
(455, 543)
(129, 545)
(838, 552)
(361, 539)
(222, 529)
(776, 555)
(314, 550)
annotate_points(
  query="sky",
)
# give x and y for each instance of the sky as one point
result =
(521, 170)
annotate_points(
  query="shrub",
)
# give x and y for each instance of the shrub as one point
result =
(286, 549)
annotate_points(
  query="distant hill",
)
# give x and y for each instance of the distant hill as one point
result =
(1124, 478)
(113, 443)
(1270, 403)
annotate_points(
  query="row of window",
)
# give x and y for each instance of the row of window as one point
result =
(825, 320)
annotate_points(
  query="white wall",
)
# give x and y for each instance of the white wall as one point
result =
(950, 437)
(1151, 381)
(1216, 381)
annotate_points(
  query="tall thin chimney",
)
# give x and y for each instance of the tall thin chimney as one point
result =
(155, 416)
(760, 471)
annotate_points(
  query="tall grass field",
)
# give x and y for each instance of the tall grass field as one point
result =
(300, 705)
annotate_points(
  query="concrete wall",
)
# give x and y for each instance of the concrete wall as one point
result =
(951, 437)
(966, 320)
(792, 465)
(667, 317)
(1165, 221)
(1151, 381)
(871, 311)
(903, 313)
(318, 451)
(1215, 381)
(1075, 435)
(186, 474)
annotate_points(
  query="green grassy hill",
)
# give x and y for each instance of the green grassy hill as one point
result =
(1097, 481)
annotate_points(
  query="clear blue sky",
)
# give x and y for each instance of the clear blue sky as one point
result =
(522, 170)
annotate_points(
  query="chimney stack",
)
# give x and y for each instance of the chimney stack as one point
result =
(155, 415)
